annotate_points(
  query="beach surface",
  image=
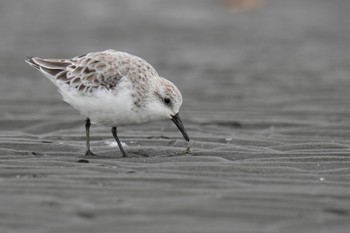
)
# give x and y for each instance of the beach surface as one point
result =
(266, 105)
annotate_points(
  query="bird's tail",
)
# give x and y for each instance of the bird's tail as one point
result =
(49, 67)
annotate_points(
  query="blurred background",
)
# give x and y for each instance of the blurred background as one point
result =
(223, 54)
(266, 104)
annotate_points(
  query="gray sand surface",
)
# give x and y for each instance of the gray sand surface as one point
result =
(266, 103)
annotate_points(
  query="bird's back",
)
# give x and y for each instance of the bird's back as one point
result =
(92, 71)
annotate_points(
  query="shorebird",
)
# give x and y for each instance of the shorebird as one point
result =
(113, 88)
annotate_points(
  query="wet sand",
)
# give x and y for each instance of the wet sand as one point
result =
(266, 104)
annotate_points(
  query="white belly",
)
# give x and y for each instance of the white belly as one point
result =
(105, 107)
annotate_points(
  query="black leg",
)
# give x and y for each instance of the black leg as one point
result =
(114, 132)
(87, 128)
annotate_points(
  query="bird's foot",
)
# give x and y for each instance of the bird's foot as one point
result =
(89, 153)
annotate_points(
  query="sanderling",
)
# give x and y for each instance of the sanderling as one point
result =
(113, 89)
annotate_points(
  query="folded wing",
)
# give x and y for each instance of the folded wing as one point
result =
(91, 71)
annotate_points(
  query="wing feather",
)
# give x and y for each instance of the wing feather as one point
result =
(95, 70)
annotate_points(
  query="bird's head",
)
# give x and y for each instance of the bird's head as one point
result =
(166, 103)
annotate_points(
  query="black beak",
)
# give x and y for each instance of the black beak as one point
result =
(176, 119)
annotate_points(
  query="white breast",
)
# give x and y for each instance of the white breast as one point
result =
(105, 107)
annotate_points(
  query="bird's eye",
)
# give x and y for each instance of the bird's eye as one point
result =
(167, 101)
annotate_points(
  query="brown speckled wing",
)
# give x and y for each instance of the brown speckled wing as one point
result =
(96, 70)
